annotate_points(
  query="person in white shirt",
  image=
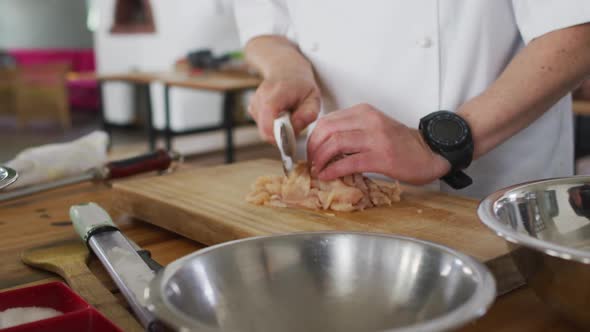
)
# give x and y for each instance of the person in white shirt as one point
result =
(373, 69)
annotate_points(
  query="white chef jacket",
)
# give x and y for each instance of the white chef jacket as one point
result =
(410, 58)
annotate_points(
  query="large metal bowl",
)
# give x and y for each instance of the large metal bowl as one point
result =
(322, 282)
(547, 226)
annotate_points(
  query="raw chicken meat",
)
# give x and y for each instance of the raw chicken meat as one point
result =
(299, 189)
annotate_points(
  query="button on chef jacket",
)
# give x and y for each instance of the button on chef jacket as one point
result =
(411, 58)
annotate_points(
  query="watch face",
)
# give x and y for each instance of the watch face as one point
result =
(447, 130)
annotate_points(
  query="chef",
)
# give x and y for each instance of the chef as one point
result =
(473, 92)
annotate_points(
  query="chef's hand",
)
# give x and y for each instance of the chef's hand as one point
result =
(362, 139)
(289, 84)
(286, 91)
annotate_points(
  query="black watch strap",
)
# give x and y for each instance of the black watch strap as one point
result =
(455, 145)
(457, 179)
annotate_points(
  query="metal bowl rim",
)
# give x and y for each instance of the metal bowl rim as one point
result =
(485, 212)
(475, 307)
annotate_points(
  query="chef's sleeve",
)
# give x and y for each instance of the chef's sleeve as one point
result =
(538, 17)
(262, 17)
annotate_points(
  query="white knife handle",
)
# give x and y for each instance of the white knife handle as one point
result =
(286, 144)
(88, 218)
(125, 266)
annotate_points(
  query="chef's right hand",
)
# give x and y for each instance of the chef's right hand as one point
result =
(292, 90)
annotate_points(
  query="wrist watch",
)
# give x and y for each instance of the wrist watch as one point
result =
(449, 135)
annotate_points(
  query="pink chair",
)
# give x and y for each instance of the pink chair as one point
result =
(82, 93)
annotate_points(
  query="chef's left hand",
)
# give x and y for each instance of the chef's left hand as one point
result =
(367, 140)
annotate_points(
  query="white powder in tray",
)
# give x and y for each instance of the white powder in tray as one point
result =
(21, 315)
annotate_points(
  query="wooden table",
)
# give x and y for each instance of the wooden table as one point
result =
(582, 107)
(581, 110)
(228, 83)
(43, 219)
(139, 80)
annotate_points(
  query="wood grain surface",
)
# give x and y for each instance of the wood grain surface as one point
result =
(207, 205)
(582, 107)
(211, 80)
(43, 219)
(130, 77)
(208, 80)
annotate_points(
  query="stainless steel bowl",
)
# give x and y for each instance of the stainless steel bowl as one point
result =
(7, 176)
(547, 226)
(322, 282)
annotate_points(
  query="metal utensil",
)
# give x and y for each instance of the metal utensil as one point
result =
(157, 161)
(299, 282)
(286, 141)
(322, 282)
(546, 223)
(146, 255)
(125, 266)
(7, 176)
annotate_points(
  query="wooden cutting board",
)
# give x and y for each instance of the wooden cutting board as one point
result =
(207, 205)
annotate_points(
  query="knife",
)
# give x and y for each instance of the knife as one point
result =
(125, 266)
(157, 161)
(285, 138)
(146, 255)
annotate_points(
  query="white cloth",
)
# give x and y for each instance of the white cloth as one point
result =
(54, 161)
(410, 58)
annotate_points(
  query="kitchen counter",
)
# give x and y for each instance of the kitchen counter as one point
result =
(43, 219)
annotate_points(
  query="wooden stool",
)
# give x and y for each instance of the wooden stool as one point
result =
(7, 90)
(41, 92)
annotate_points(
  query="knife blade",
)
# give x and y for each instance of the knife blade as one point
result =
(125, 266)
(286, 141)
(146, 255)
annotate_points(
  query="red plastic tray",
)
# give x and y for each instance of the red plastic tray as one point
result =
(77, 316)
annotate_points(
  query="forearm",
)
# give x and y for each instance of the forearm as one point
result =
(276, 56)
(542, 73)
(288, 84)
